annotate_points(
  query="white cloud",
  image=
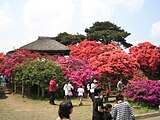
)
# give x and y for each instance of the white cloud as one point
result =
(57, 16)
(102, 10)
(94, 10)
(51, 16)
(155, 30)
(5, 21)
(133, 5)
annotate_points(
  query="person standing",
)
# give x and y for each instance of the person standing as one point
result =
(88, 90)
(120, 86)
(93, 86)
(122, 110)
(68, 90)
(3, 81)
(52, 90)
(98, 104)
(80, 91)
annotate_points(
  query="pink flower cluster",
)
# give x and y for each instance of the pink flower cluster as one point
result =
(144, 91)
(79, 71)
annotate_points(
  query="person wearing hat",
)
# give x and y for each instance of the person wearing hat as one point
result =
(93, 86)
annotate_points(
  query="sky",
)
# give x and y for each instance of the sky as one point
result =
(22, 21)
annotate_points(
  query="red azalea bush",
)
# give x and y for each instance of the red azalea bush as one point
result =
(148, 56)
(143, 91)
(79, 71)
(10, 61)
(108, 59)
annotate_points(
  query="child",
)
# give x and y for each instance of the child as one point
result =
(107, 115)
(80, 94)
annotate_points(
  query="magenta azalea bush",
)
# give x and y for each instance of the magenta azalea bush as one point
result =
(144, 91)
(79, 71)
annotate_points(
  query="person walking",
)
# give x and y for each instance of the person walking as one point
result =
(122, 110)
(93, 86)
(68, 90)
(80, 91)
(3, 81)
(120, 86)
(98, 104)
(52, 90)
(65, 109)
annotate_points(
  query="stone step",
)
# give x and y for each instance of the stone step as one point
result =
(8, 91)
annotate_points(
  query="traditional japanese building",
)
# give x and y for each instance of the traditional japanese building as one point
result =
(47, 45)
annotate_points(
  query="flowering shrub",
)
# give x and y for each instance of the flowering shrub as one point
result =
(139, 75)
(107, 59)
(148, 56)
(79, 71)
(143, 91)
(21, 56)
(10, 61)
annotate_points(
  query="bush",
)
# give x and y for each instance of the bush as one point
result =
(145, 91)
(39, 72)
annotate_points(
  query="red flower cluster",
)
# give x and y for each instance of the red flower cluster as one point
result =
(10, 61)
(110, 59)
(148, 56)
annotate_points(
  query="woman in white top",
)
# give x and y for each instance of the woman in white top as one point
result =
(93, 86)
(80, 94)
(68, 90)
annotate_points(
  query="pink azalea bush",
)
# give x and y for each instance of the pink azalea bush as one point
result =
(79, 71)
(143, 91)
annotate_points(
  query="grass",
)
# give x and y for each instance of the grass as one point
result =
(17, 108)
(142, 108)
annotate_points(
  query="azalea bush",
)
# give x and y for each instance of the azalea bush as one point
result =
(79, 71)
(143, 91)
(39, 72)
(139, 75)
(10, 61)
(21, 56)
(148, 56)
(107, 59)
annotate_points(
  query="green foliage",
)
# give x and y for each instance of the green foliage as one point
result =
(39, 72)
(106, 32)
(68, 39)
(142, 106)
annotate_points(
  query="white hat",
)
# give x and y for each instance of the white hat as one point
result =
(94, 80)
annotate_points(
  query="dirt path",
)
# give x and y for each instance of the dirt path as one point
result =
(14, 107)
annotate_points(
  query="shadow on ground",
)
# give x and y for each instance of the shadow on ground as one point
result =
(3, 96)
